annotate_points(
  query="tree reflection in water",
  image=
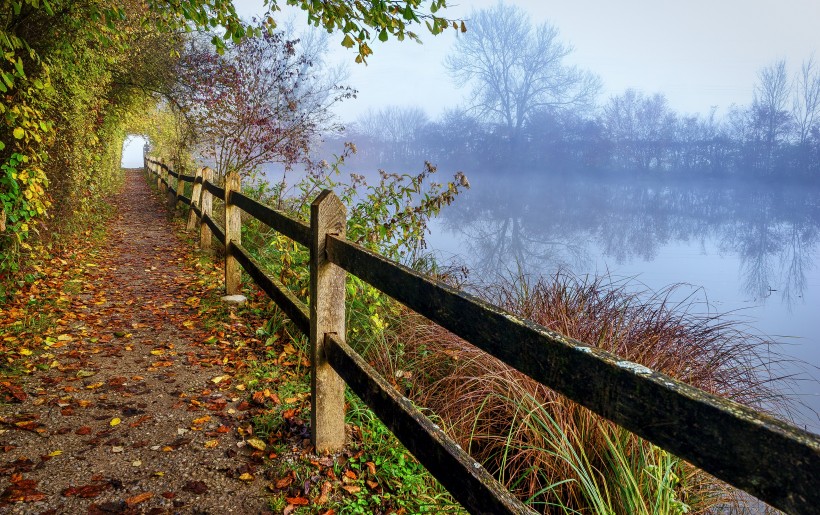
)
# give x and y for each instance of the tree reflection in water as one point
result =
(536, 224)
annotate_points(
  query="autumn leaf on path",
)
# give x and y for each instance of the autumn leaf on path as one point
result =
(133, 501)
(87, 491)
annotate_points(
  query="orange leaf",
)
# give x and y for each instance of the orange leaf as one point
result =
(133, 501)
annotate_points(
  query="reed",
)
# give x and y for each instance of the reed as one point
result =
(556, 455)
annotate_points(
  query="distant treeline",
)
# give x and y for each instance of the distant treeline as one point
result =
(631, 132)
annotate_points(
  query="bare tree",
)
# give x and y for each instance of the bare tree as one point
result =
(265, 100)
(806, 103)
(394, 129)
(771, 99)
(641, 127)
(515, 69)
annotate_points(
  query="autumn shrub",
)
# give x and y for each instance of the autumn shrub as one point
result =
(556, 455)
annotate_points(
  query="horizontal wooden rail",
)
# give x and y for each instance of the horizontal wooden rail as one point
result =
(466, 480)
(213, 189)
(280, 222)
(766, 457)
(294, 308)
(184, 199)
(186, 178)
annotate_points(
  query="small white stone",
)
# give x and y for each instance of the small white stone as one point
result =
(235, 299)
(137, 463)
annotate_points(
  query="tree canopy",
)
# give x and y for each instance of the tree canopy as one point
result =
(74, 75)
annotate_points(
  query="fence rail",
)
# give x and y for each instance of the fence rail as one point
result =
(766, 457)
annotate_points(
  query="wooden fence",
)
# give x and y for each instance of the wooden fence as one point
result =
(766, 457)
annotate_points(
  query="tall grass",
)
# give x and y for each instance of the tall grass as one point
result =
(556, 455)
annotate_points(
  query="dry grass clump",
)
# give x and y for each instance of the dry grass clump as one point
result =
(553, 453)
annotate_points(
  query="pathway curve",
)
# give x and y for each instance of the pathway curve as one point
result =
(127, 415)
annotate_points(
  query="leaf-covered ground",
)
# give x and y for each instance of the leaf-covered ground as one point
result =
(118, 388)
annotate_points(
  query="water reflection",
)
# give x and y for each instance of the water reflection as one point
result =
(538, 223)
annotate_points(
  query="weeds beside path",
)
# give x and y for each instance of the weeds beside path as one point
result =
(122, 406)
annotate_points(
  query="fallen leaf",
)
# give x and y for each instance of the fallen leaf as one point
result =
(298, 501)
(210, 444)
(85, 373)
(133, 501)
(55, 453)
(197, 487)
(351, 489)
(257, 444)
(201, 420)
(284, 482)
(246, 477)
(326, 487)
(87, 491)
(114, 421)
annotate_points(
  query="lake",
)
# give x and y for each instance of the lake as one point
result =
(748, 250)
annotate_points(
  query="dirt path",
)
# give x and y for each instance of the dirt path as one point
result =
(129, 414)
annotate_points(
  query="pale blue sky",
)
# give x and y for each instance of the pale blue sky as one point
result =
(699, 53)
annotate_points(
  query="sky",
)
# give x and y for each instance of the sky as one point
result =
(699, 53)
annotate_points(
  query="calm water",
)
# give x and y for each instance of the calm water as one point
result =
(751, 250)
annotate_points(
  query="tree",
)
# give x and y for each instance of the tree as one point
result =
(516, 69)
(394, 130)
(640, 126)
(265, 100)
(770, 115)
(806, 102)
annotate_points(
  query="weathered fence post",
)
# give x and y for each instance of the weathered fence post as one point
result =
(164, 172)
(172, 193)
(327, 315)
(233, 232)
(205, 205)
(195, 192)
(177, 182)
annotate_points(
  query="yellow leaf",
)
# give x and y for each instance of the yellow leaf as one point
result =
(55, 453)
(25, 352)
(157, 352)
(94, 386)
(210, 444)
(246, 477)
(256, 443)
(219, 379)
(115, 421)
(64, 338)
(201, 420)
